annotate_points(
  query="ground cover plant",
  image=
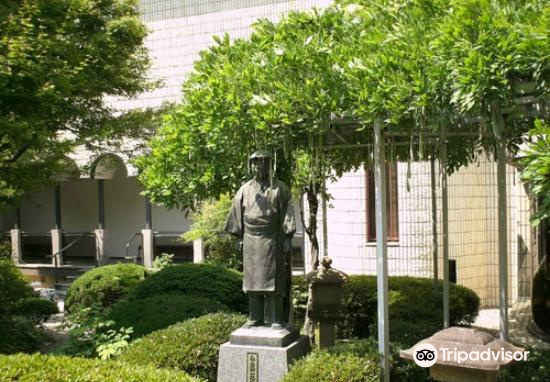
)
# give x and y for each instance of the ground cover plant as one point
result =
(101, 287)
(158, 312)
(191, 346)
(37, 367)
(415, 307)
(201, 280)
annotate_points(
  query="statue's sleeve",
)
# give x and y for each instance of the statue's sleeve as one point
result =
(289, 222)
(234, 224)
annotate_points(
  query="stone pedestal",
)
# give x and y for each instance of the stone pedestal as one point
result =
(16, 253)
(198, 251)
(260, 354)
(148, 247)
(100, 238)
(57, 244)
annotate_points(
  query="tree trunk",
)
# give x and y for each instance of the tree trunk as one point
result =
(311, 193)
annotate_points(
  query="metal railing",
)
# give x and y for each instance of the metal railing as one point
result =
(138, 259)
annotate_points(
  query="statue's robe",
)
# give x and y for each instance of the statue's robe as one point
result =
(263, 218)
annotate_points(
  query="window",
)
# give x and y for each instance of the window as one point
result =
(391, 204)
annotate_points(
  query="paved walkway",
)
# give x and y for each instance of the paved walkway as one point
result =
(519, 316)
(53, 330)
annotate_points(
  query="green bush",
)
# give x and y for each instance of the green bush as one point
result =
(36, 309)
(208, 225)
(352, 361)
(13, 286)
(37, 367)
(104, 285)
(415, 308)
(203, 280)
(19, 334)
(191, 346)
(158, 312)
(535, 369)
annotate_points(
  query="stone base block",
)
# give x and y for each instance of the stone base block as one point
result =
(252, 363)
(264, 336)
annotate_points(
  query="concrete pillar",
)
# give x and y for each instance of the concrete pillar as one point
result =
(198, 251)
(100, 247)
(57, 244)
(16, 253)
(148, 247)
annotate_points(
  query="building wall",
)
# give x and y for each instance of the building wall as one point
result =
(181, 29)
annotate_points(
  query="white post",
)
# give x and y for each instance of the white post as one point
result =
(498, 128)
(434, 221)
(148, 247)
(445, 230)
(100, 238)
(325, 223)
(381, 248)
(198, 251)
(57, 245)
(16, 253)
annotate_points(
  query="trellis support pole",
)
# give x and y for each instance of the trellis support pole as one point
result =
(381, 248)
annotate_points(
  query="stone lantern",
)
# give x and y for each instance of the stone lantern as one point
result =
(326, 305)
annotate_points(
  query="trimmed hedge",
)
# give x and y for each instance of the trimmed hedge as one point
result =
(323, 366)
(103, 286)
(203, 280)
(353, 361)
(37, 367)
(158, 312)
(415, 308)
(191, 346)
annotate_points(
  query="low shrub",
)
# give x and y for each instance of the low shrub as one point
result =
(351, 361)
(203, 280)
(191, 346)
(415, 307)
(13, 286)
(37, 367)
(36, 309)
(158, 312)
(535, 369)
(104, 286)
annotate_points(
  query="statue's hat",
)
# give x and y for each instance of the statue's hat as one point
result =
(260, 154)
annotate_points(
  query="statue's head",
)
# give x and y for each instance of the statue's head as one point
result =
(260, 164)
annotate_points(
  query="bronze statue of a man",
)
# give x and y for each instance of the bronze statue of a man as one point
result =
(263, 217)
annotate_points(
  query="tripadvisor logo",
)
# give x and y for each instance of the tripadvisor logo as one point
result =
(426, 355)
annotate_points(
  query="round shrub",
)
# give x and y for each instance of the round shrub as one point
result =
(204, 280)
(191, 346)
(35, 308)
(37, 367)
(13, 286)
(103, 286)
(158, 312)
(415, 307)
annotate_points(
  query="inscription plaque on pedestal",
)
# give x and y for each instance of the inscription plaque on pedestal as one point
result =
(251, 367)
